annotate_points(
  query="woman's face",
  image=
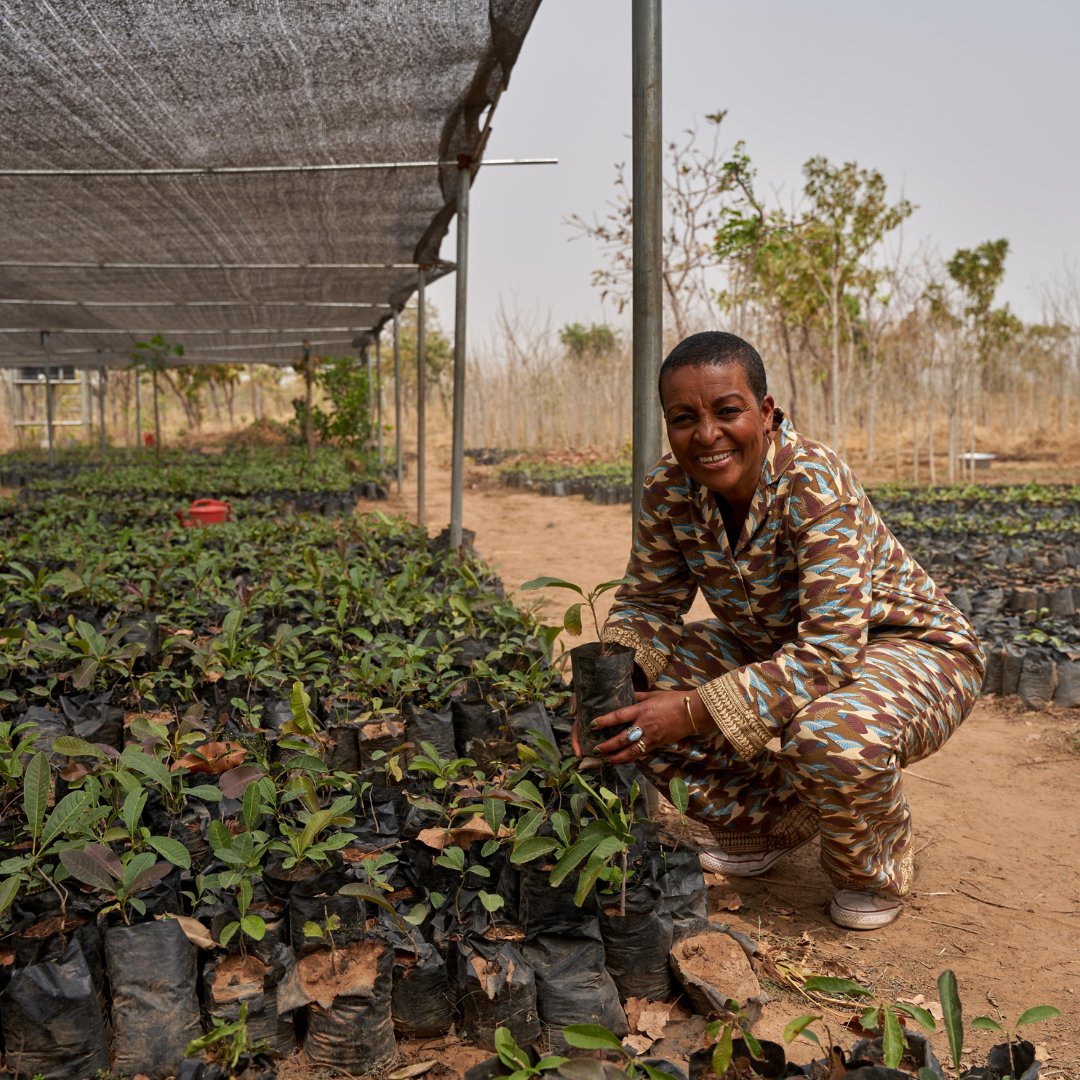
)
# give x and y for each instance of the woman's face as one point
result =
(718, 432)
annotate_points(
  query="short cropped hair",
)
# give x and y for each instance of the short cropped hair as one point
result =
(717, 348)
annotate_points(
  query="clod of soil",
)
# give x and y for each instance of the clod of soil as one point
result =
(237, 978)
(713, 969)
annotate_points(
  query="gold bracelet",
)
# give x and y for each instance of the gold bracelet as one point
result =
(690, 715)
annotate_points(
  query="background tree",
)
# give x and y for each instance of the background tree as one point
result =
(155, 356)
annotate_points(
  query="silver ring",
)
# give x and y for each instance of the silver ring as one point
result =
(634, 733)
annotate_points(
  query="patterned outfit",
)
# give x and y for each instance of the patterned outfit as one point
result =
(833, 660)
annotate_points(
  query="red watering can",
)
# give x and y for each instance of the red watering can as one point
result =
(205, 512)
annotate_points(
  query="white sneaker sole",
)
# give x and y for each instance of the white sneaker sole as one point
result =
(855, 918)
(715, 861)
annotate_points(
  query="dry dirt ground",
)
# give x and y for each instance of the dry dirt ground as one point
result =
(997, 820)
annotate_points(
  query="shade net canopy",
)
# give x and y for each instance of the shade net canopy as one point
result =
(236, 266)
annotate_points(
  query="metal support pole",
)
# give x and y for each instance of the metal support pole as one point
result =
(369, 369)
(421, 394)
(138, 408)
(309, 429)
(398, 464)
(378, 401)
(648, 309)
(49, 417)
(101, 407)
(461, 292)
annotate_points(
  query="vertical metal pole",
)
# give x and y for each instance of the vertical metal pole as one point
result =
(461, 293)
(49, 417)
(138, 408)
(378, 400)
(101, 407)
(398, 464)
(648, 237)
(309, 428)
(421, 393)
(369, 369)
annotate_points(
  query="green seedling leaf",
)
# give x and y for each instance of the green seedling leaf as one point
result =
(721, 1055)
(494, 812)
(72, 746)
(1037, 1013)
(753, 1045)
(532, 848)
(572, 620)
(892, 1040)
(825, 984)
(36, 791)
(926, 1073)
(510, 1054)
(591, 1037)
(527, 791)
(491, 901)
(9, 889)
(528, 824)
(920, 1016)
(416, 914)
(595, 867)
(65, 814)
(452, 857)
(801, 1026)
(679, 791)
(952, 1014)
(254, 927)
(551, 582)
(228, 932)
(172, 850)
(132, 809)
(986, 1023)
(313, 930)
(367, 893)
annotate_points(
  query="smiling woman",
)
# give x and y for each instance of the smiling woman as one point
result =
(832, 660)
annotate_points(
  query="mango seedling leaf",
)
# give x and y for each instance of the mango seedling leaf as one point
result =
(172, 850)
(73, 746)
(721, 1055)
(892, 1040)
(952, 1014)
(920, 1015)
(552, 582)
(591, 1037)
(1037, 1013)
(572, 620)
(9, 889)
(132, 808)
(986, 1023)
(36, 791)
(679, 791)
(67, 812)
(800, 1025)
(532, 848)
(149, 877)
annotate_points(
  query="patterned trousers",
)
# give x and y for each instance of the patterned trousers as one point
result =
(837, 766)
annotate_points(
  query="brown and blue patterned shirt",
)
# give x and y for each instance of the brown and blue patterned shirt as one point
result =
(814, 576)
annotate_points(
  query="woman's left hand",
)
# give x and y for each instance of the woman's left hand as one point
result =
(660, 714)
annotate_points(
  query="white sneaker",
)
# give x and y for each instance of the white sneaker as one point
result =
(740, 864)
(857, 910)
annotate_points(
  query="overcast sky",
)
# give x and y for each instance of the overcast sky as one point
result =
(967, 107)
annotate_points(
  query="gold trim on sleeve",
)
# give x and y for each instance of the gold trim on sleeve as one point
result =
(741, 725)
(651, 661)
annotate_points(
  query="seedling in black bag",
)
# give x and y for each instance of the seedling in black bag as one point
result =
(723, 1032)
(518, 1061)
(453, 858)
(571, 621)
(952, 1013)
(227, 1041)
(597, 1037)
(883, 1018)
(324, 932)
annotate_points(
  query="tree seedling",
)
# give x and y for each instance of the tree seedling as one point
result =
(597, 1037)
(724, 1031)
(324, 932)
(571, 621)
(518, 1060)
